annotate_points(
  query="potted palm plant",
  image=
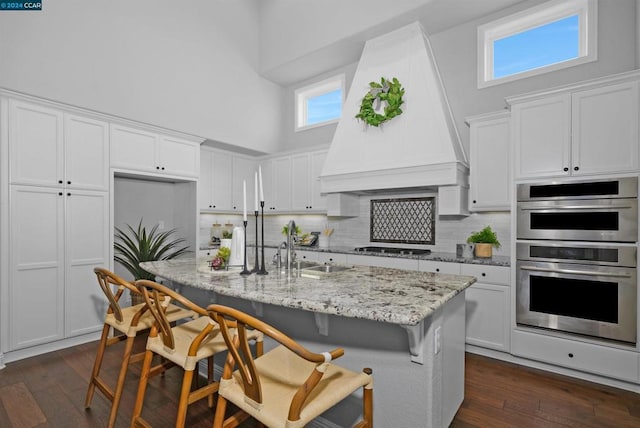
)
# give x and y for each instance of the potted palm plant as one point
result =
(484, 241)
(133, 246)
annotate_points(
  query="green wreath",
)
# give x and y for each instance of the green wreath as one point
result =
(390, 92)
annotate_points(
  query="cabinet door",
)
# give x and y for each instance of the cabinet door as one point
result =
(36, 224)
(318, 201)
(221, 187)
(300, 183)
(387, 262)
(35, 144)
(605, 129)
(490, 162)
(488, 306)
(439, 267)
(243, 171)
(86, 246)
(541, 133)
(133, 149)
(282, 183)
(178, 157)
(205, 180)
(86, 153)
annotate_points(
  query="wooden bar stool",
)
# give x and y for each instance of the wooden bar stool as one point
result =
(127, 322)
(182, 345)
(288, 386)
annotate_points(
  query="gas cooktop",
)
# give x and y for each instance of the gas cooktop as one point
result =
(392, 250)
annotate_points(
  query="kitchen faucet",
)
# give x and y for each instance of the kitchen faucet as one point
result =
(288, 245)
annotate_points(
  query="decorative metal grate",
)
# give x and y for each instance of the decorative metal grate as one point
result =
(409, 220)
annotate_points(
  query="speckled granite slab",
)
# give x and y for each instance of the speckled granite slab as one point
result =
(374, 293)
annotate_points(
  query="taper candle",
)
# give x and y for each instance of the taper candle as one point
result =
(244, 200)
(256, 192)
(260, 181)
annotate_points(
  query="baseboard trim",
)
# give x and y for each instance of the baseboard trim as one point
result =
(503, 356)
(20, 354)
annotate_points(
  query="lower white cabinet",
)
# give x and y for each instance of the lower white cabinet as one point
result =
(488, 306)
(588, 357)
(57, 236)
(388, 262)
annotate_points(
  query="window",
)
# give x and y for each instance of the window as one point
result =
(549, 37)
(319, 104)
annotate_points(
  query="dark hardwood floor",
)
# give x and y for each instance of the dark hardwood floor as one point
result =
(49, 391)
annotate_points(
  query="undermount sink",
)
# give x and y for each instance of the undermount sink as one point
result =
(306, 264)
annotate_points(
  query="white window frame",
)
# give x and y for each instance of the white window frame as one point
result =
(587, 11)
(301, 96)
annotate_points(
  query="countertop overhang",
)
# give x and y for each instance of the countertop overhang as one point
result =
(374, 293)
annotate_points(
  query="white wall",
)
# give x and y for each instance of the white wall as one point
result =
(188, 66)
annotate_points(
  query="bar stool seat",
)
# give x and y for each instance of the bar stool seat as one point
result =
(128, 322)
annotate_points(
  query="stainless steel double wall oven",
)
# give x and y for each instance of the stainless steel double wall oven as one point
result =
(576, 256)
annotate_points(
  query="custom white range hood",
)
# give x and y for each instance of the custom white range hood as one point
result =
(420, 149)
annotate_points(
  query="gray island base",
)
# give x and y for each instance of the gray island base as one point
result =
(408, 326)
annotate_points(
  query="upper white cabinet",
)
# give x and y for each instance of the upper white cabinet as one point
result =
(244, 169)
(214, 185)
(146, 151)
(49, 147)
(305, 182)
(489, 177)
(585, 129)
(281, 185)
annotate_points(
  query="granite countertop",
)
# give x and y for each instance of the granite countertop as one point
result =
(433, 256)
(380, 294)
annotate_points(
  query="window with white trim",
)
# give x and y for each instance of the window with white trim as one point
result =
(554, 35)
(320, 103)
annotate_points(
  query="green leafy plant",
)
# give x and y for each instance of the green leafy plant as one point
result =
(285, 230)
(133, 246)
(221, 259)
(227, 234)
(485, 236)
(388, 91)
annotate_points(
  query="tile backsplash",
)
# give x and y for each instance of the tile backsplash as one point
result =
(354, 232)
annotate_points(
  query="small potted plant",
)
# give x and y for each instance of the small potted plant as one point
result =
(484, 241)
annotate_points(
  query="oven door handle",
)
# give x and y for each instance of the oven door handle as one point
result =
(576, 272)
(576, 207)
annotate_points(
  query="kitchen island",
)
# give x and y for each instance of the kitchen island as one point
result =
(408, 326)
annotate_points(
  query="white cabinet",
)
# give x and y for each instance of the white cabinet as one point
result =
(388, 262)
(48, 147)
(488, 306)
(490, 160)
(56, 239)
(305, 182)
(589, 129)
(329, 258)
(58, 223)
(244, 170)
(214, 185)
(439, 267)
(605, 129)
(542, 135)
(281, 185)
(147, 151)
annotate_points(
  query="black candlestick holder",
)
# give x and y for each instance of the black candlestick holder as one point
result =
(244, 270)
(256, 268)
(263, 270)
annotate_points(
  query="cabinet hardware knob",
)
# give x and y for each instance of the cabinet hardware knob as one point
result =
(565, 169)
(474, 201)
(60, 193)
(69, 182)
(157, 167)
(437, 269)
(484, 274)
(162, 168)
(570, 355)
(59, 181)
(575, 168)
(68, 194)
(331, 259)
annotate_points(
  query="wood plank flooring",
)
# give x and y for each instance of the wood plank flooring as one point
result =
(49, 391)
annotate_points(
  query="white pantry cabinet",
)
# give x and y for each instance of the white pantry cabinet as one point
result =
(489, 176)
(214, 185)
(49, 147)
(488, 306)
(141, 150)
(585, 129)
(56, 238)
